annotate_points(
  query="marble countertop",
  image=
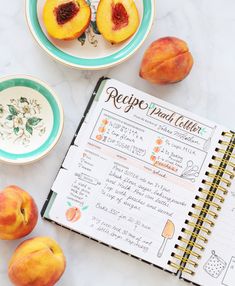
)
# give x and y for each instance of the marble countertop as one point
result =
(209, 28)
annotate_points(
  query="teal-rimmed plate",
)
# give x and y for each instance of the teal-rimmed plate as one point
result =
(31, 119)
(90, 51)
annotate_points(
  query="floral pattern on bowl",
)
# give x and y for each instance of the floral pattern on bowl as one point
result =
(31, 119)
(20, 119)
(92, 32)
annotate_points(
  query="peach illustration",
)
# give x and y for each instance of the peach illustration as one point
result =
(99, 137)
(159, 141)
(156, 149)
(153, 158)
(105, 121)
(73, 214)
(102, 130)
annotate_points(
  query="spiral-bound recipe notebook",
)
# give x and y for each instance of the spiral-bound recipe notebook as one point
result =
(153, 181)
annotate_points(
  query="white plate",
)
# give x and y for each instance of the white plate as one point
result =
(90, 51)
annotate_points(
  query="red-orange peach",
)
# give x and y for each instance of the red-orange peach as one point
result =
(37, 262)
(167, 60)
(66, 19)
(18, 213)
(117, 20)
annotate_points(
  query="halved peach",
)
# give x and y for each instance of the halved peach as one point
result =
(66, 19)
(117, 20)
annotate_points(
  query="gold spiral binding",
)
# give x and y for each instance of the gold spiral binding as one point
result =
(198, 217)
(217, 177)
(179, 268)
(198, 236)
(222, 151)
(225, 143)
(223, 161)
(198, 227)
(194, 244)
(228, 134)
(215, 185)
(209, 201)
(188, 251)
(206, 211)
(181, 258)
(223, 170)
(216, 196)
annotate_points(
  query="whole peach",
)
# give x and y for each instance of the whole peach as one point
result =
(18, 213)
(37, 262)
(167, 60)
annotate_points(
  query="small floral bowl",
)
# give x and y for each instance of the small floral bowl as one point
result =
(31, 119)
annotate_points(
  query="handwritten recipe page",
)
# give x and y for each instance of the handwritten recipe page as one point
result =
(132, 172)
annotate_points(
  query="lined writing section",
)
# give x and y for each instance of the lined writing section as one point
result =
(115, 193)
(121, 206)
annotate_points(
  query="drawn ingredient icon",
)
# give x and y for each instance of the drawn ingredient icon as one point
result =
(159, 141)
(99, 137)
(167, 233)
(105, 121)
(102, 129)
(153, 158)
(156, 149)
(73, 214)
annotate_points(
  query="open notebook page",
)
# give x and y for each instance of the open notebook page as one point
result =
(131, 174)
(217, 265)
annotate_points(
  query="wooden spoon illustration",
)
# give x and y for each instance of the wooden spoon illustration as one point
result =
(167, 233)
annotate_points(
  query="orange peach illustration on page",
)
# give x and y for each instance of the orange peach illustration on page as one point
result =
(156, 149)
(73, 214)
(102, 129)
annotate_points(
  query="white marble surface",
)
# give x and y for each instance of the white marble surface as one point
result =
(209, 28)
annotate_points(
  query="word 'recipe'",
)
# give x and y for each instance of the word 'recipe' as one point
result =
(120, 100)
